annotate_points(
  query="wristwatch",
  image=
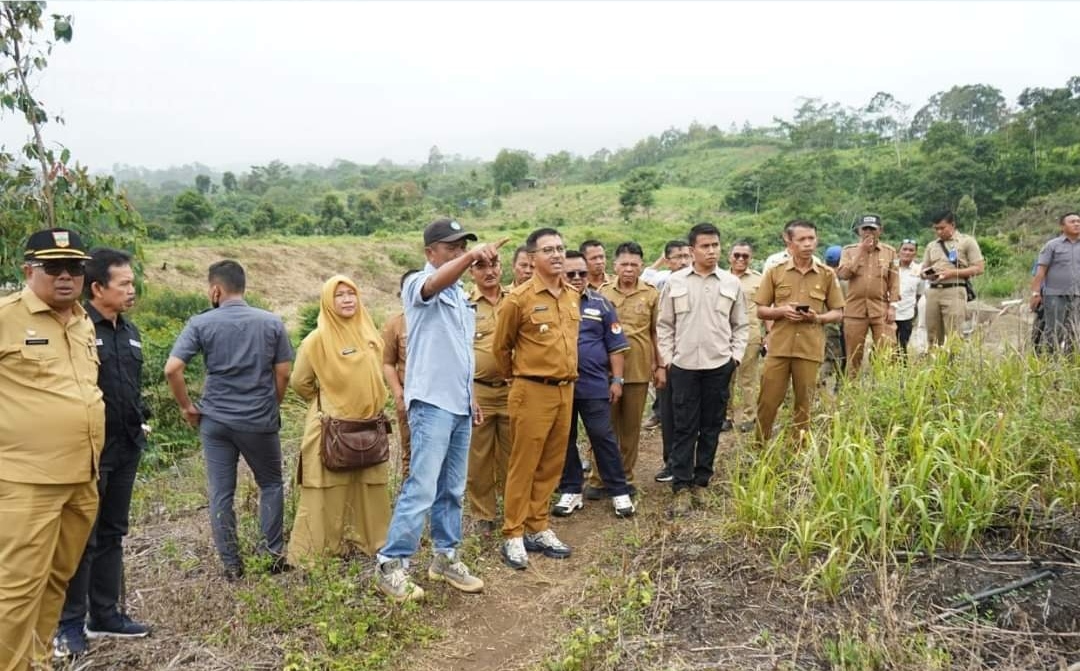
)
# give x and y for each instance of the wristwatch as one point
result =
(617, 380)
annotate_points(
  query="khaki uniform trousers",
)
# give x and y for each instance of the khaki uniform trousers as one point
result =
(626, 421)
(855, 329)
(489, 451)
(745, 384)
(775, 375)
(539, 430)
(404, 441)
(946, 310)
(43, 532)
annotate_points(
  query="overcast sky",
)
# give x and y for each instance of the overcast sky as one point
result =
(237, 83)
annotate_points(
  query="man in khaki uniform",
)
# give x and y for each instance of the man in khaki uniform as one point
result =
(52, 430)
(489, 449)
(798, 296)
(745, 382)
(947, 263)
(394, 355)
(871, 269)
(636, 304)
(536, 343)
(596, 262)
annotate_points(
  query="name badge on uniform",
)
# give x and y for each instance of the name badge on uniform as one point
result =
(134, 343)
(592, 311)
(348, 350)
(540, 308)
(36, 341)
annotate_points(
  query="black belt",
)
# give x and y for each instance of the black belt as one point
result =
(939, 285)
(486, 383)
(546, 380)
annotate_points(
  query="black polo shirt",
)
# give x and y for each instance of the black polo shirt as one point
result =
(120, 378)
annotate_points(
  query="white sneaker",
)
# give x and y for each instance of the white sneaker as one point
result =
(624, 507)
(513, 552)
(567, 504)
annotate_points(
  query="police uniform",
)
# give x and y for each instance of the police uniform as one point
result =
(873, 284)
(746, 379)
(796, 349)
(52, 430)
(600, 336)
(489, 449)
(637, 310)
(394, 354)
(946, 300)
(536, 337)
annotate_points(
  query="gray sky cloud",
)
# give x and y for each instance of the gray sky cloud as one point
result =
(236, 83)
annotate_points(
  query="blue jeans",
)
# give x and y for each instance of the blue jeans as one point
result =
(436, 483)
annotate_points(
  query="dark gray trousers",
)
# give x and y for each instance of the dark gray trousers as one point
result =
(222, 447)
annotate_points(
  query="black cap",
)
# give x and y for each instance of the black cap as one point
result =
(445, 230)
(869, 220)
(55, 243)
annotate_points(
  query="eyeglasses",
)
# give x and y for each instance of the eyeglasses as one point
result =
(551, 251)
(684, 255)
(909, 241)
(73, 267)
(740, 255)
(575, 274)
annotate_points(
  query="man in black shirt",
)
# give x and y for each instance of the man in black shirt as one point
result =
(97, 585)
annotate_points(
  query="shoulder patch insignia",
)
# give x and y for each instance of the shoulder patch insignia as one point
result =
(616, 328)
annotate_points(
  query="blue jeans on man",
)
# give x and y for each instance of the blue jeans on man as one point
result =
(436, 483)
(596, 416)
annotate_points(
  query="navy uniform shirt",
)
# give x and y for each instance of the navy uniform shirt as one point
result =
(119, 349)
(600, 335)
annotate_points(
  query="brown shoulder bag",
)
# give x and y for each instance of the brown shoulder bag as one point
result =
(350, 444)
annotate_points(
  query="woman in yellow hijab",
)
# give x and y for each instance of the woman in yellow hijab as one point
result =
(341, 361)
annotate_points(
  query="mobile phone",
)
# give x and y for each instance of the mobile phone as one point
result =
(930, 272)
(802, 308)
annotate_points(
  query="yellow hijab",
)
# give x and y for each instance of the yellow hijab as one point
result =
(346, 356)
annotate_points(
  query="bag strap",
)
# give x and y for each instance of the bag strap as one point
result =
(946, 251)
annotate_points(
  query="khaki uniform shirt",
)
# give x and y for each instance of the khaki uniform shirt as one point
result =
(52, 413)
(967, 254)
(638, 309)
(536, 333)
(486, 368)
(750, 281)
(703, 322)
(817, 287)
(873, 281)
(393, 335)
(609, 279)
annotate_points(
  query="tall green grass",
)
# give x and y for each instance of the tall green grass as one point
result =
(925, 457)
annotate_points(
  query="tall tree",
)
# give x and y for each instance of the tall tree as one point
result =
(202, 184)
(509, 167)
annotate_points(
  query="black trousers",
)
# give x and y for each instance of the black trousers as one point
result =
(903, 332)
(97, 584)
(699, 401)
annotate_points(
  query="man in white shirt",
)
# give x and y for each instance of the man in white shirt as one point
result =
(912, 287)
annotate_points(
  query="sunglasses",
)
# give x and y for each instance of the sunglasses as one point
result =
(740, 255)
(868, 228)
(908, 241)
(75, 268)
(574, 274)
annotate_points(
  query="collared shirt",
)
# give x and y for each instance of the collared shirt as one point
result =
(1062, 260)
(961, 251)
(638, 309)
(912, 285)
(395, 350)
(817, 287)
(655, 277)
(750, 281)
(52, 413)
(119, 349)
(608, 280)
(703, 322)
(440, 333)
(536, 333)
(486, 367)
(873, 280)
(600, 336)
(241, 345)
